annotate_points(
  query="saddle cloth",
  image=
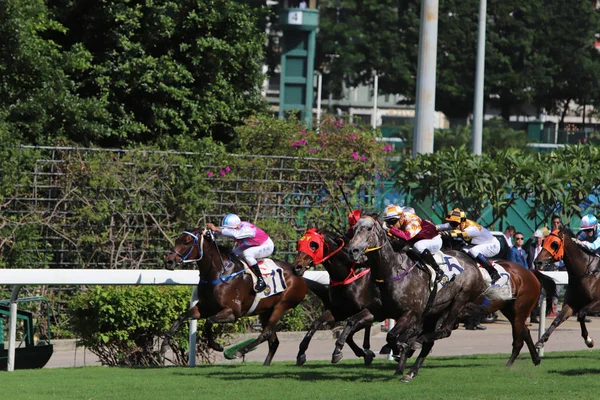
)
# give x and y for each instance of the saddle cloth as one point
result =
(273, 276)
(501, 290)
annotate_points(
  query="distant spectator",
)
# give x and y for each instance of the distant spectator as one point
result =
(508, 234)
(534, 248)
(555, 223)
(302, 4)
(516, 253)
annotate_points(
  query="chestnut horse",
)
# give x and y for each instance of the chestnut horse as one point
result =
(582, 294)
(225, 292)
(350, 290)
(405, 294)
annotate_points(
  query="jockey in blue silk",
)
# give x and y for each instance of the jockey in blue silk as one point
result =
(480, 243)
(252, 243)
(589, 236)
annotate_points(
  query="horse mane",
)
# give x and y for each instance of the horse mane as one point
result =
(570, 234)
(223, 248)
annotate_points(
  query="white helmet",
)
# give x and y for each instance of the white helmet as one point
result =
(588, 222)
(392, 211)
(231, 221)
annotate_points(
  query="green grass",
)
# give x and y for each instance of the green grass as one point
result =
(568, 375)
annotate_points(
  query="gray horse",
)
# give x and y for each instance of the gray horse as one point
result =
(405, 293)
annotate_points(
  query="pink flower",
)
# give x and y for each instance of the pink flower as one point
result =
(223, 172)
(352, 137)
(227, 169)
(387, 147)
(303, 132)
(311, 150)
(363, 158)
(300, 142)
(210, 174)
(354, 155)
(339, 123)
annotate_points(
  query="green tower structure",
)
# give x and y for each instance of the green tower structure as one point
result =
(299, 26)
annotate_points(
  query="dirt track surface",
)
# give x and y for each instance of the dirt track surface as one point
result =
(496, 339)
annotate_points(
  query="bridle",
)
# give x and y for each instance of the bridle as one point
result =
(198, 242)
(373, 234)
(557, 252)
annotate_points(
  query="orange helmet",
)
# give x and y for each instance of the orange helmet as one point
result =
(392, 211)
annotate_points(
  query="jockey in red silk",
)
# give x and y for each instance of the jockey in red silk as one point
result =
(479, 242)
(420, 233)
(252, 243)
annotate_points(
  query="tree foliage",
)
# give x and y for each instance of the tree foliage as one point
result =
(124, 72)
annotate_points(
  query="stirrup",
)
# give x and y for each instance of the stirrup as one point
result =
(260, 286)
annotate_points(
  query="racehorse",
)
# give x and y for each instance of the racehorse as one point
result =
(350, 290)
(582, 294)
(225, 292)
(405, 293)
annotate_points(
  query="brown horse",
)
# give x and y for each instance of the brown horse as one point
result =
(405, 294)
(225, 292)
(582, 294)
(350, 290)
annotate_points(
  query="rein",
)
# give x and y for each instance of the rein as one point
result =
(397, 277)
(198, 243)
(352, 276)
(558, 254)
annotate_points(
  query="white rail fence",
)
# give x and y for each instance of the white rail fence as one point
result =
(22, 277)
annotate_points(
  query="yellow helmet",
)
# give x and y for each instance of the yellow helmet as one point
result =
(457, 215)
(392, 211)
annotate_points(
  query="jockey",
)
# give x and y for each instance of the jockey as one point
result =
(252, 243)
(421, 234)
(480, 243)
(589, 237)
(353, 218)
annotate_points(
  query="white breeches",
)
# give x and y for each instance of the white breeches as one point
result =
(434, 245)
(488, 249)
(254, 252)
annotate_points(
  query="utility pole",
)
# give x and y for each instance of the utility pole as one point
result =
(479, 75)
(426, 70)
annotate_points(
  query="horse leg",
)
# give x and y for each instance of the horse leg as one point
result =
(225, 316)
(323, 319)
(565, 312)
(367, 353)
(414, 370)
(356, 322)
(517, 322)
(406, 327)
(268, 322)
(192, 313)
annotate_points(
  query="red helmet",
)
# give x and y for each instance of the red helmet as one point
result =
(353, 217)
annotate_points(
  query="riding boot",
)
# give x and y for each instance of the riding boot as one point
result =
(427, 257)
(260, 282)
(488, 267)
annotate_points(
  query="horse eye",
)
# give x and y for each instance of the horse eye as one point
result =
(554, 246)
(314, 246)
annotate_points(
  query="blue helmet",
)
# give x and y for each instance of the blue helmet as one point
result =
(588, 222)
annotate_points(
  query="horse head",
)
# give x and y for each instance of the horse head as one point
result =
(187, 249)
(553, 249)
(368, 236)
(314, 247)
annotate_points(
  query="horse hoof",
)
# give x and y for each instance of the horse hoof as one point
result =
(537, 362)
(385, 350)
(216, 347)
(407, 378)
(337, 357)
(369, 356)
(539, 345)
(589, 343)
(300, 360)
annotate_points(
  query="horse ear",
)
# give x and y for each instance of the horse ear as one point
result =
(311, 225)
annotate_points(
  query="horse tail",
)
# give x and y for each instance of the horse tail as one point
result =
(549, 286)
(320, 290)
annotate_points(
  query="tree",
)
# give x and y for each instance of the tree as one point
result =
(38, 95)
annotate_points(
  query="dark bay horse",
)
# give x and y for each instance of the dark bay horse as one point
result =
(225, 292)
(350, 291)
(582, 294)
(404, 286)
